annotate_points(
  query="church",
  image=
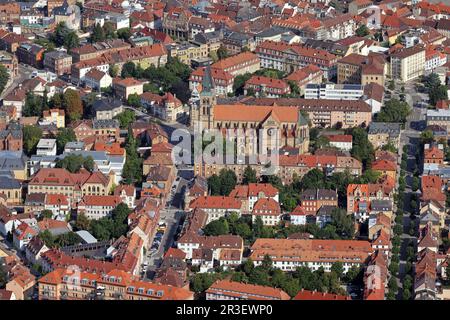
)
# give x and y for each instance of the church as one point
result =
(281, 126)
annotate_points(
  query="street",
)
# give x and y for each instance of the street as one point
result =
(24, 73)
(416, 122)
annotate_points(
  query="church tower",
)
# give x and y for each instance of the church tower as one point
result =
(202, 111)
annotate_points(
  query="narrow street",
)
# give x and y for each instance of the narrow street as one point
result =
(410, 137)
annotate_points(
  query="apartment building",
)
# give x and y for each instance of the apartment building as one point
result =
(123, 88)
(358, 69)
(359, 196)
(231, 290)
(239, 64)
(58, 62)
(334, 91)
(324, 113)
(55, 116)
(175, 23)
(289, 254)
(73, 185)
(268, 210)
(311, 74)
(223, 80)
(94, 50)
(312, 200)
(408, 63)
(383, 133)
(97, 207)
(439, 117)
(251, 193)
(217, 206)
(292, 57)
(266, 87)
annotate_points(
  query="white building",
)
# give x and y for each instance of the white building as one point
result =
(46, 147)
(96, 207)
(334, 91)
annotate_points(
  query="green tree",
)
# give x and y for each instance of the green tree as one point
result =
(31, 137)
(126, 118)
(132, 171)
(362, 31)
(228, 181)
(3, 276)
(113, 70)
(97, 33)
(71, 41)
(74, 162)
(4, 77)
(124, 33)
(33, 105)
(128, 69)
(64, 136)
(313, 179)
(249, 176)
(216, 228)
(426, 137)
(134, 100)
(222, 53)
(391, 85)
(362, 149)
(338, 269)
(438, 93)
(82, 222)
(239, 83)
(394, 110)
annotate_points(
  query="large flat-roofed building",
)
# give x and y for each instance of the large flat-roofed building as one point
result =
(408, 63)
(322, 112)
(440, 117)
(334, 91)
(289, 254)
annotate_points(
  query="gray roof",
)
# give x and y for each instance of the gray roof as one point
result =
(9, 183)
(106, 104)
(270, 32)
(207, 82)
(329, 46)
(86, 236)
(315, 194)
(75, 145)
(393, 129)
(11, 160)
(57, 54)
(381, 205)
(15, 133)
(105, 123)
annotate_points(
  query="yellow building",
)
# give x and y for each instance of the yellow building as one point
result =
(55, 116)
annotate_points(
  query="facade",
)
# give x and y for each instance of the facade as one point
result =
(266, 87)
(289, 254)
(290, 58)
(230, 290)
(97, 207)
(123, 88)
(440, 117)
(312, 200)
(408, 64)
(58, 62)
(334, 91)
(359, 69)
(383, 133)
(55, 116)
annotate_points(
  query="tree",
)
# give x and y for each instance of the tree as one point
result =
(113, 70)
(98, 34)
(82, 222)
(126, 118)
(134, 100)
(128, 70)
(33, 105)
(74, 162)
(4, 78)
(426, 136)
(71, 41)
(228, 181)
(214, 185)
(362, 148)
(31, 137)
(362, 31)
(249, 176)
(338, 269)
(222, 53)
(239, 82)
(46, 214)
(72, 104)
(415, 184)
(124, 33)
(216, 228)
(391, 85)
(313, 179)
(431, 81)
(132, 171)
(438, 93)
(394, 111)
(64, 136)
(109, 30)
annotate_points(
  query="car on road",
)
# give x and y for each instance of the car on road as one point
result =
(178, 179)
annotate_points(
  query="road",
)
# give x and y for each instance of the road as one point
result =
(171, 215)
(24, 73)
(410, 137)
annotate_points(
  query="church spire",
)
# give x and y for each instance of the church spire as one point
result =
(207, 82)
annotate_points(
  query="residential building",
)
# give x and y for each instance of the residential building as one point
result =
(292, 57)
(440, 117)
(97, 79)
(334, 91)
(31, 54)
(359, 69)
(239, 64)
(268, 210)
(383, 133)
(54, 116)
(58, 62)
(231, 290)
(46, 147)
(408, 63)
(289, 254)
(97, 207)
(341, 141)
(217, 206)
(266, 87)
(312, 200)
(123, 88)
(107, 108)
